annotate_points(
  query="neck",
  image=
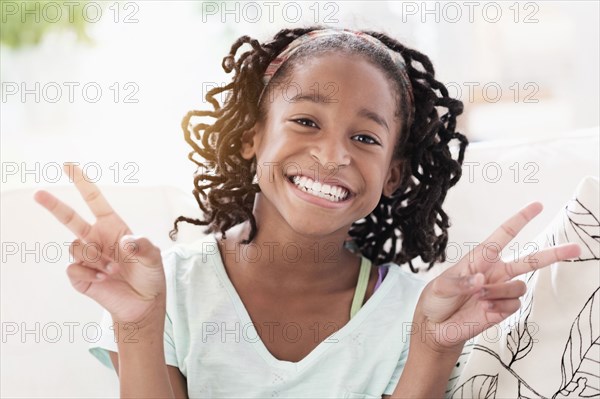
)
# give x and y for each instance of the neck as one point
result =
(282, 258)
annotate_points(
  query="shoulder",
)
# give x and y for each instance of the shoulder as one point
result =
(405, 278)
(396, 298)
(193, 274)
(194, 257)
(205, 246)
(403, 288)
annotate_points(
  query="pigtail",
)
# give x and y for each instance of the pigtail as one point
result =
(414, 211)
(223, 186)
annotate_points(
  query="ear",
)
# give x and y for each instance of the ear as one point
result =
(393, 178)
(248, 149)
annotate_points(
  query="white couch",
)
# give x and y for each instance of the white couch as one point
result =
(47, 326)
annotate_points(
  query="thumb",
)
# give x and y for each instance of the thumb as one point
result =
(137, 249)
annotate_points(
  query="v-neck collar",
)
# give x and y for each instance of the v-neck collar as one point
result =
(337, 336)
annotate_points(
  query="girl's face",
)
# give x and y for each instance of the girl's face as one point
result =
(333, 123)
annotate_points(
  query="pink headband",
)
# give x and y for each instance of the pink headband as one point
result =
(292, 47)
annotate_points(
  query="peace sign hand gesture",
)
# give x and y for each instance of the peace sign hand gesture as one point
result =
(123, 274)
(478, 292)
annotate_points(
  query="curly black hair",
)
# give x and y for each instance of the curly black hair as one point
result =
(223, 183)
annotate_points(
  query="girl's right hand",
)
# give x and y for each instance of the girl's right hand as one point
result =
(122, 273)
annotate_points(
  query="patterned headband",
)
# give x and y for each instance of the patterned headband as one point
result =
(292, 47)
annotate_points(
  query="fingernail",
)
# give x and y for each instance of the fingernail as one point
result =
(131, 237)
(483, 293)
(100, 276)
(471, 281)
(109, 268)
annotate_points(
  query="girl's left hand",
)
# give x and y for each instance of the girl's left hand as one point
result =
(478, 292)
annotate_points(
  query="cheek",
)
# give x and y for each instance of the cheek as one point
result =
(273, 141)
(374, 175)
(375, 171)
(275, 150)
(271, 159)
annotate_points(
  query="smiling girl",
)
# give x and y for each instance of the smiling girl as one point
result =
(321, 179)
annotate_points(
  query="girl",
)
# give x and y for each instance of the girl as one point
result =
(327, 154)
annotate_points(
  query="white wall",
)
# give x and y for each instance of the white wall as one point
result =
(174, 49)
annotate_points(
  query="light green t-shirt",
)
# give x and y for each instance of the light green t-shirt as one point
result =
(210, 337)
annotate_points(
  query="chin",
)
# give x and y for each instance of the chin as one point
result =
(315, 227)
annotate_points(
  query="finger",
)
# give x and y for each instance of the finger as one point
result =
(505, 307)
(139, 249)
(447, 285)
(511, 227)
(88, 190)
(543, 258)
(509, 290)
(89, 254)
(81, 276)
(63, 213)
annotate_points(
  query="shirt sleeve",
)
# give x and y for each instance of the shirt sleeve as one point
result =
(106, 342)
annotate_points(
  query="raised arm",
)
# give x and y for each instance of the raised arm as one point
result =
(178, 381)
(124, 275)
(471, 296)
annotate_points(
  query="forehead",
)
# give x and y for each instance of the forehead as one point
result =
(347, 80)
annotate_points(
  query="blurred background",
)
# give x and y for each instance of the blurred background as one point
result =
(106, 84)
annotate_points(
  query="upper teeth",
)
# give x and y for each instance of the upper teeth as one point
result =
(332, 193)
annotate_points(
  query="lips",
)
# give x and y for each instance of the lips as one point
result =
(321, 189)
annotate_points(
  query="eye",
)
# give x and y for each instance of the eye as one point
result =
(363, 138)
(305, 122)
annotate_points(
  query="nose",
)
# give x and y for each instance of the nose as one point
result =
(330, 150)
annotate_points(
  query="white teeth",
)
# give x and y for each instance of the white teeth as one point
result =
(330, 193)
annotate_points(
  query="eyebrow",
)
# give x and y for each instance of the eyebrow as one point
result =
(375, 117)
(363, 112)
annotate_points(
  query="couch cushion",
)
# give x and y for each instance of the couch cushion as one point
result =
(500, 177)
(46, 324)
(551, 346)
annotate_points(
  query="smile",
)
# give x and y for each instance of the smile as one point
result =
(321, 190)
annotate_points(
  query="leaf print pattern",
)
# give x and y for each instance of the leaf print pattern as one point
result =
(581, 360)
(519, 340)
(478, 386)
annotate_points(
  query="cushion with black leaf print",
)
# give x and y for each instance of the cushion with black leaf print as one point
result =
(549, 348)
